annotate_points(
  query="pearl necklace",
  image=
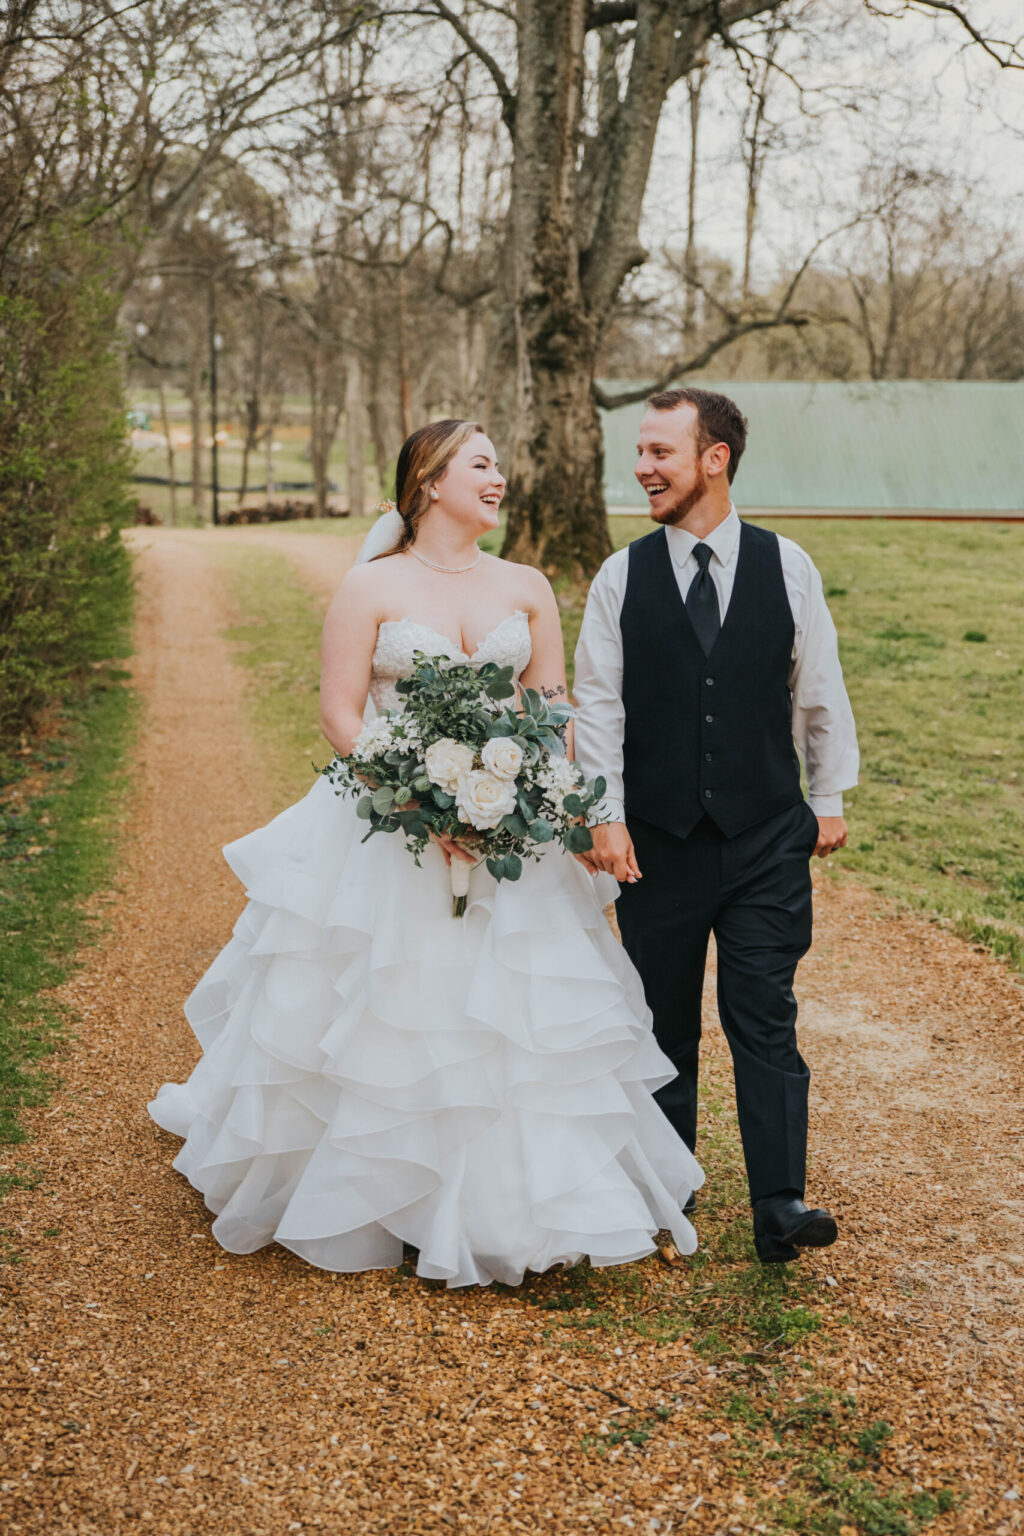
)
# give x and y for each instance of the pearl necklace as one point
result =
(449, 570)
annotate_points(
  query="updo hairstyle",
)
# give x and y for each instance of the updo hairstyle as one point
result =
(424, 457)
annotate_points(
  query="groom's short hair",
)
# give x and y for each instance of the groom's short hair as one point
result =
(719, 420)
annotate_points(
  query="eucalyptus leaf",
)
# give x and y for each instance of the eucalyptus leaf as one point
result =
(578, 840)
(364, 807)
(541, 831)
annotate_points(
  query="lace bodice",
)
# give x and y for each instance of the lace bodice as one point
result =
(508, 644)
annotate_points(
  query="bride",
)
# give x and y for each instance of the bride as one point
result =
(375, 1073)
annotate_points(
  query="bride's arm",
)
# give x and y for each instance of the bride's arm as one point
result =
(349, 638)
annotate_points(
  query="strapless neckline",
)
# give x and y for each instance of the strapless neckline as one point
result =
(517, 613)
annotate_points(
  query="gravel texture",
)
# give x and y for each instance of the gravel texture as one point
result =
(150, 1381)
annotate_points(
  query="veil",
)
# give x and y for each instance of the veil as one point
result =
(382, 537)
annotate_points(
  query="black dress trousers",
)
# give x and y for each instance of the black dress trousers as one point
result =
(753, 891)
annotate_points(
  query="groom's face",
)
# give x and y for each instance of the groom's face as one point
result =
(669, 468)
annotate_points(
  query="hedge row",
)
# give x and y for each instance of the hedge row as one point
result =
(65, 582)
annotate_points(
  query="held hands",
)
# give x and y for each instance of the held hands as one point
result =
(612, 853)
(831, 835)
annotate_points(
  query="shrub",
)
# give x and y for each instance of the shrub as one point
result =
(64, 574)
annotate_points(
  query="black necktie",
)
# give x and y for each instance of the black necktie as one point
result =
(702, 601)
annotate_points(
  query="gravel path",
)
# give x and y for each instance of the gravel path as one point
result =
(148, 1380)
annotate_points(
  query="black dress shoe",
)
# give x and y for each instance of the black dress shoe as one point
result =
(783, 1225)
(691, 1203)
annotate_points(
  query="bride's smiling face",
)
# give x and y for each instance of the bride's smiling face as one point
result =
(472, 486)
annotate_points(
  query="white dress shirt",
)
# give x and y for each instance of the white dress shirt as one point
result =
(823, 728)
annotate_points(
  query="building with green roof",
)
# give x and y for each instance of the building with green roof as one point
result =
(908, 448)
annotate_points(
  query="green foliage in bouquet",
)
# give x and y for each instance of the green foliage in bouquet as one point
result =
(474, 759)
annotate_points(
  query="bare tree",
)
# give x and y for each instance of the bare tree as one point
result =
(581, 153)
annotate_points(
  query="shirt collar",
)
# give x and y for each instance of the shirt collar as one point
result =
(722, 541)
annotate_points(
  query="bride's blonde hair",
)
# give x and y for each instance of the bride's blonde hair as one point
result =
(424, 457)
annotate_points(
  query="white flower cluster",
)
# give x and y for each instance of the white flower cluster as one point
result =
(558, 778)
(384, 732)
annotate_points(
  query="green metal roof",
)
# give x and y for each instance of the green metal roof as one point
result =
(935, 446)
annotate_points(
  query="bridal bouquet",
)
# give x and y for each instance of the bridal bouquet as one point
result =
(464, 761)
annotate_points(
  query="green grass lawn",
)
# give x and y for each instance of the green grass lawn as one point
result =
(932, 641)
(933, 651)
(932, 645)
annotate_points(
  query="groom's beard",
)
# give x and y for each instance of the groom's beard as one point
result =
(675, 513)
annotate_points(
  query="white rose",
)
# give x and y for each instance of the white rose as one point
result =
(482, 799)
(447, 762)
(502, 756)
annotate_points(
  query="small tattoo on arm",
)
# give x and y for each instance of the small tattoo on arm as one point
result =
(552, 693)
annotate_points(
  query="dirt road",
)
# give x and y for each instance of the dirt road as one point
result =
(147, 1379)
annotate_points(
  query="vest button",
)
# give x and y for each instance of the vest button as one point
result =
(710, 682)
(707, 757)
(707, 794)
(710, 719)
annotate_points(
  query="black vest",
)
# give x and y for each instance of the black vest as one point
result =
(708, 735)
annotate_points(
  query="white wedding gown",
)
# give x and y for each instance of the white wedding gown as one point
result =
(375, 1071)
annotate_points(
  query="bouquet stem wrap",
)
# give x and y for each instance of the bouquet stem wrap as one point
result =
(460, 871)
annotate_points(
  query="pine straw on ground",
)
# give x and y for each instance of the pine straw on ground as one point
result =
(149, 1380)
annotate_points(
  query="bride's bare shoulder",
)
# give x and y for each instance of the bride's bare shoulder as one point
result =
(532, 585)
(373, 577)
(364, 590)
(375, 572)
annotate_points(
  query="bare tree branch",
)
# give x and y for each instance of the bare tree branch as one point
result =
(439, 11)
(680, 366)
(1011, 56)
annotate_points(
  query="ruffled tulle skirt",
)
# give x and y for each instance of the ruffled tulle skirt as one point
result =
(375, 1072)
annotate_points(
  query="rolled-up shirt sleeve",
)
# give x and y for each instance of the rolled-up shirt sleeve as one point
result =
(823, 727)
(600, 713)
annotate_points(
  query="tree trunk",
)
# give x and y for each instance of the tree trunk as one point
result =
(318, 449)
(171, 470)
(324, 415)
(268, 438)
(404, 404)
(564, 294)
(252, 437)
(195, 390)
(355, 436)
(694, 88)
(556, 495)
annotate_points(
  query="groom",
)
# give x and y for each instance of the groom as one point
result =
(706, 660)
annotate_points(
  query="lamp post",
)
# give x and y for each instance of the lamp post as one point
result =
(216, 342)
